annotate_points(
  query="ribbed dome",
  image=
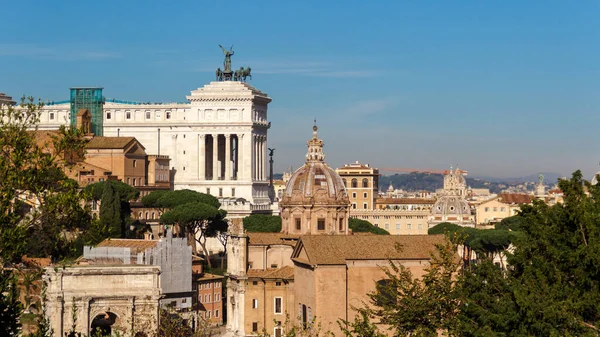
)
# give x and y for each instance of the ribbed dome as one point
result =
(315, 176)
(451, 205)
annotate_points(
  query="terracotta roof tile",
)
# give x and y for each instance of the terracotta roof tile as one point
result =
(262, 239)
(285, 273)
(337, 249)
(109, 142)
(515, 198)
(136, 246)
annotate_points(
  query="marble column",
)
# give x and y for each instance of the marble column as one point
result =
(254, 158)
(215, 156)
(201, 157)
(227, 157)
(263, 162)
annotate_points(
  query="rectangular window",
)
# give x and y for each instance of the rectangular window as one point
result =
(398, 226)
(298, 224)
(420, 226)
(168, 114)
(321, 224)
(254, 283)
(341, 225)
(495, 209)
(208, 190)
(208, 314)
(148, 115)
(365, 195)
(134, 163)
(387, 226)
(254, 326)
(353, 194)
(200, 286)
(233, 191)
(220, 191)
(502, 209)
(217, 313)
(365, 205)
(278, 284)
(278, 305)
(487, 209)
(273, 266)
(354, 206)
(208, 286)
(408, 226)
(206, 298)
(254, 303)
(108, 115)
(51, 115)
(128, 114)
(217, 297)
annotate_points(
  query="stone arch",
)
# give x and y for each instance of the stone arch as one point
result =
(104, 322)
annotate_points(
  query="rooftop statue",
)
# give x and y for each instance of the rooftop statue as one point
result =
(228, 55)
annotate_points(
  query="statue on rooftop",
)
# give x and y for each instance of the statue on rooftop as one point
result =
(228, 55)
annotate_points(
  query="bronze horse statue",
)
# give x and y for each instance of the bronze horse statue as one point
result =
(241, 74)
(219, 74)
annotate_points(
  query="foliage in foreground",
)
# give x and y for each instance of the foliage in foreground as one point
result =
(552, 287)
(38, 202)
(261, 223)
(363, 226)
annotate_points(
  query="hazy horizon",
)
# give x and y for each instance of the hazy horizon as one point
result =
(499, 88)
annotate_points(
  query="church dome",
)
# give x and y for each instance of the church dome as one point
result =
(451, 205)
(315, 179)
(453, 209)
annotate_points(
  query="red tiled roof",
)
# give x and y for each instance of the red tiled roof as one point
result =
(136, 246)
(337, 249)
(515, 198)
(109, 142)
(263, 239)
(285, 273)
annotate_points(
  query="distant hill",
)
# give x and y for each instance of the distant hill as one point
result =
(416, 181)
(549, 178)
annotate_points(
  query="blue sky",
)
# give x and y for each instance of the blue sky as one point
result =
(501, 88)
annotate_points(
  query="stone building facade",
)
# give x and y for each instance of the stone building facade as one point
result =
(217, 141)
(362, 184)
(260, 288)
(334, 274)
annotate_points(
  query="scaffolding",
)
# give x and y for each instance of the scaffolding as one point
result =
(92, 100)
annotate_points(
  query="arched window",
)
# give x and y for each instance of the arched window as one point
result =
(365, 182)
(152, 215)
(354, 183)
(146, 215)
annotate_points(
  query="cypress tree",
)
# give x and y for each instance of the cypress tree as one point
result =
(110, 212)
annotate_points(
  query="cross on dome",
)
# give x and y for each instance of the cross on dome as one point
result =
(315, 147)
